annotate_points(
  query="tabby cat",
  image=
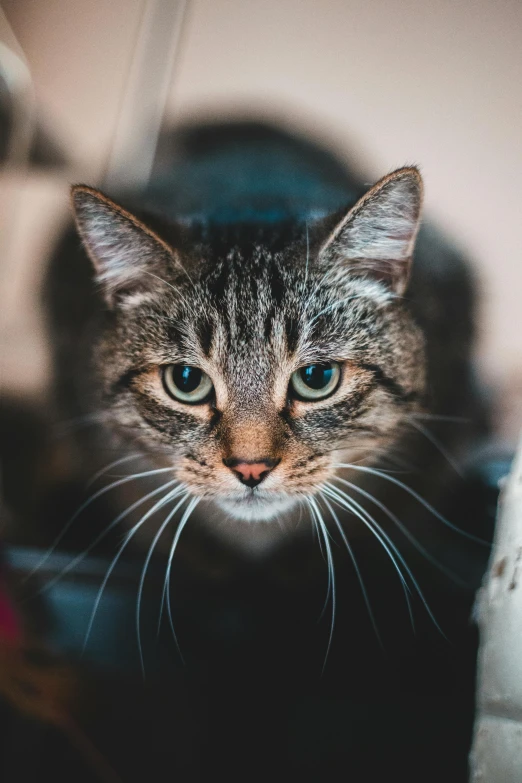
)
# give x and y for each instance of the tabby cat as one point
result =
(260, 361)
(259, 354)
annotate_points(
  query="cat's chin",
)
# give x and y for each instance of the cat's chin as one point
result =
(257, 509)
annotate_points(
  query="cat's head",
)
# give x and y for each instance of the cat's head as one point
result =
(253, 368)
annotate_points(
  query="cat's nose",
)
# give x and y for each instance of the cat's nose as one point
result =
(250, 472)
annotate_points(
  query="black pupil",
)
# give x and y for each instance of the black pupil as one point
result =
(317, 376)
(186, 378)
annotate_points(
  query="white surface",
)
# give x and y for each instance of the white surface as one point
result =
(497, 750)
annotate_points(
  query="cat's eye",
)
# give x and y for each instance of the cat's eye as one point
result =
(186, 383)
(315, 381)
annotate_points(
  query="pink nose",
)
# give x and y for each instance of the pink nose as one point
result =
(256, 471)
(251, 473)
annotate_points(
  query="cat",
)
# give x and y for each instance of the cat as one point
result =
(265, 332)
(263, 326)
(254, 350)
(254, 359)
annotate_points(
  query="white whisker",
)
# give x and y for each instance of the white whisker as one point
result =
(420, 499)
(184, 519)
(438, 417)
(144, 573)
(331, 573)
(329, 581)
(74, 562)
(438, 445)
(404, 530)
(82, 508)
(65, 426)
(168, 497)
(307, 256)
(355, 565)
(320, 543)
(387, 544)
(111, 465)
(365, 517)
(188, 304)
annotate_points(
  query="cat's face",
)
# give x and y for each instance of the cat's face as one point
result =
(253, 370)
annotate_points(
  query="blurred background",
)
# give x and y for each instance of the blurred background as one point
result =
(86, 88)
(384, 84)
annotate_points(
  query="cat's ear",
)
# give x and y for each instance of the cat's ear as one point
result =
(127, 256)
(377, 236)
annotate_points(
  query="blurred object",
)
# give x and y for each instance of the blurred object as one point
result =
(148, 83)
(243, 169)
(41, 690)
(508, 408)
(35, 178)
(44, 688)
(10, 626)
(23, 140)
(25, 149)
(32, 207)
(34, 682)
(16, 100)
(497, 751)
(39, 684)
(29, 677)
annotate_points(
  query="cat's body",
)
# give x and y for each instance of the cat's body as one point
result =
(268, 276)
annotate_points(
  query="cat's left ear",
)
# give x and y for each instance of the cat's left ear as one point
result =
(127, 256)
(377, 236)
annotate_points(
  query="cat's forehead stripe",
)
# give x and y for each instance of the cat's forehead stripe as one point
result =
(255, 306)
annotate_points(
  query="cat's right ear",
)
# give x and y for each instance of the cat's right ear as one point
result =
(377, 236)
(128, 257)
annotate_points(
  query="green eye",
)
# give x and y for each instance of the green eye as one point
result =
(315, 381)
(186, 383)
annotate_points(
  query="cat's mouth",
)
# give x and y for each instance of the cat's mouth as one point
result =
(257, 505)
